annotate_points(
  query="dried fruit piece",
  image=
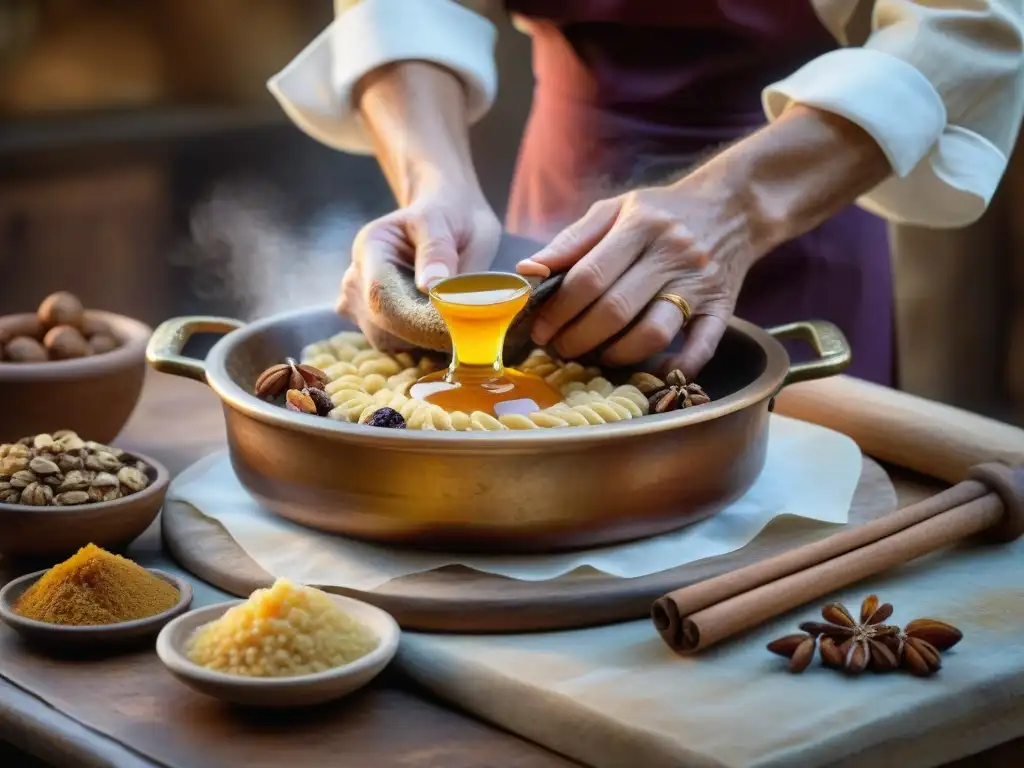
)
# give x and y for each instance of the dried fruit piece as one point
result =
(297, 400)
(323, 402)
(388, 418)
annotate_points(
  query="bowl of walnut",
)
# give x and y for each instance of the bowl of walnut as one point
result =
(68, 367)
(59, 492)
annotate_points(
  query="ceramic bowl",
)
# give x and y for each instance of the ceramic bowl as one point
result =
(90, 638)
(93, 396)
(278, 692)
(27, 531)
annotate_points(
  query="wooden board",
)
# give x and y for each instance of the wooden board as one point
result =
(457, 599)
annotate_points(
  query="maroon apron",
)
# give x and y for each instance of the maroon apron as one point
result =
(632, 92)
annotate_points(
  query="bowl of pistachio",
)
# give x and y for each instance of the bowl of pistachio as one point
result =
(59, 492)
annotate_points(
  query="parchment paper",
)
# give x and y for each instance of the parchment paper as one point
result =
(811, 472)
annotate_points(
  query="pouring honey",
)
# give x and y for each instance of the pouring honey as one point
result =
(478, 309)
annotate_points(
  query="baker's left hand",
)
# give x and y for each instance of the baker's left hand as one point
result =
(689, 239)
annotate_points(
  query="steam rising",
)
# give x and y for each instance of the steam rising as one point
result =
(249, 259)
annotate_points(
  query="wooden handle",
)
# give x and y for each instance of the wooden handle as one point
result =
(902, 429)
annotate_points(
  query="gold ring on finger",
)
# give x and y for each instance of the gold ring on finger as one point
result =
(679, 303)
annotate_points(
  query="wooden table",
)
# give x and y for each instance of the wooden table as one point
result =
(388, 724)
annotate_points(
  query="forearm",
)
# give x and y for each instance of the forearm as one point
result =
(791, 176)
(416, 115)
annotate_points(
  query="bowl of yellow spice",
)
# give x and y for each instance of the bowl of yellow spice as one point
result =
(286, 646)
(94, 600)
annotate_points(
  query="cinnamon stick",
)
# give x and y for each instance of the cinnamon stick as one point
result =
(698, 616)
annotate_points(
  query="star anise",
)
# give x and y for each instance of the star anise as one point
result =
(278, 379)
(799, 649)
(676, 394)
(918, 648)
(855, 644)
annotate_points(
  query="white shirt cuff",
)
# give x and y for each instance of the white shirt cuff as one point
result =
(943, 175)
(315, 88)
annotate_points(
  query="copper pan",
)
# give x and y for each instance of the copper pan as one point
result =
(536, 490)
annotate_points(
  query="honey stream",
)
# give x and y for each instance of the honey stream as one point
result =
(478, 310)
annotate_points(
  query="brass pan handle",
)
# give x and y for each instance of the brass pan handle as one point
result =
(165, 345)
(834, 353)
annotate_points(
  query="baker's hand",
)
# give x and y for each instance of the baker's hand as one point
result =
(686, 239)
(439, 234)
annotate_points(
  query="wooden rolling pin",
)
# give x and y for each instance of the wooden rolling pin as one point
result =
(934, 439)
(698, 616)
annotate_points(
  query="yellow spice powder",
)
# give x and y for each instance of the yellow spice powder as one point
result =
(96, 587)
(283, 631)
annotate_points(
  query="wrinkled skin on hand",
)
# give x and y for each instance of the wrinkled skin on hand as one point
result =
(433, 237)
(412, 320)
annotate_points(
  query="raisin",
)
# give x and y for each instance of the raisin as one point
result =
(321, 400)
(386, 417)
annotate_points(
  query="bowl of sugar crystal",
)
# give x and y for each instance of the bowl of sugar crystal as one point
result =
(285, 646)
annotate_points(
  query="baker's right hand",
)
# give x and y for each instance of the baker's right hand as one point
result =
(439, 234)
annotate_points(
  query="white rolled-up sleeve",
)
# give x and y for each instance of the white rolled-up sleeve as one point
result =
(939, 85)
(315, 89)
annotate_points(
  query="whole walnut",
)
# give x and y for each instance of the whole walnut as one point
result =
(94, 326)
(101, 343)
(61, 308)
(66, 343)
(20, 325)
(22, 349)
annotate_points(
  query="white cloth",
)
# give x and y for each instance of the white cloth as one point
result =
(618, 697)
(315, 88)
(939, 86)
(810, 472)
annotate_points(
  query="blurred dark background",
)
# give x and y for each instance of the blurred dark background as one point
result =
(144, 166)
